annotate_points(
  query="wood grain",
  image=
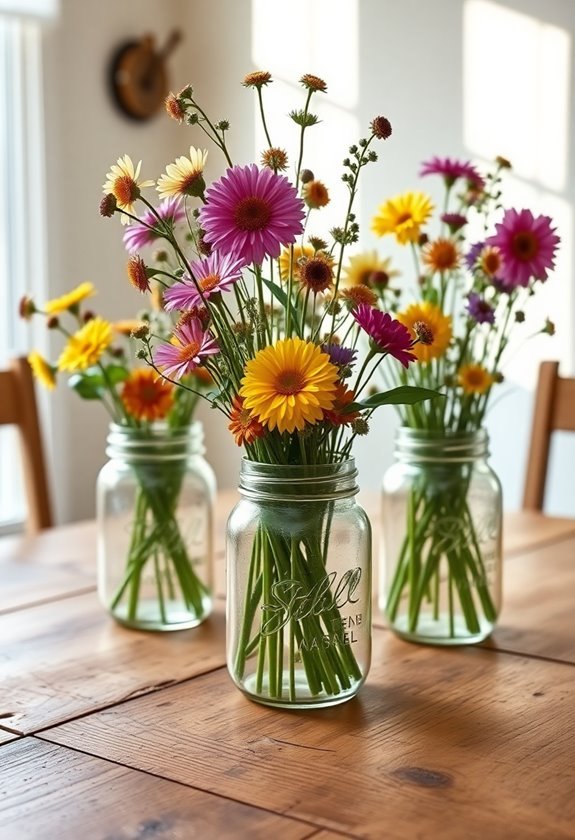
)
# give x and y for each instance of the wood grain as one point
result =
(6, 737)
(67, 658)
(51, 564)
(539, 603)
(76, 795)
(524, 530)
(440, 743)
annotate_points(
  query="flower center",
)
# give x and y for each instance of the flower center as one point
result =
(525, 245)
(252, 213)
(491, 262)
(316, 274)
(149, 393)
(475, 377)
(403, 218)
(125, 189)
(189, 184)
(211, 281)
(245, 418)
(189, 351)
(289, 382)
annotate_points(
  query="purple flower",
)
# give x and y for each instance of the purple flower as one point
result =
(216, 273)
(387, 334)
(252, 212)
(479, 309)
(340, 356)
(451, 170)
(527, 244)
(473, 254)
(137, 235)
(189, 346)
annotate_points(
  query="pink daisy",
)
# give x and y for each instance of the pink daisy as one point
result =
(212, 274)
(387, 334)
(527, 245)
(137, 235)
(252, 212)
(451, 170)
(186, 351)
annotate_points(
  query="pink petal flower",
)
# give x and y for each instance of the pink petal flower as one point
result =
(527, 244)
(137, 235)
(387, 334)
(216, 273)
(189, 347)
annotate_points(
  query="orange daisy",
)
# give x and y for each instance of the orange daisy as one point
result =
(357, 295)
(343, 398)
(146, 396)
(441, 255)
(244, 427)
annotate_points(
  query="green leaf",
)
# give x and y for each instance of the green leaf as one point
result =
(404, 395)
(282, 297)
(92, 385)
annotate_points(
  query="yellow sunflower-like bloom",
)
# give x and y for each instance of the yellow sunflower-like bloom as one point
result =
(146, 396)
(403, 216)
(368, 269)
(437, 325)
(184, 176)
(289, 384)
(70, 299)
(285, 260)
(86, 346)
(42, 370)
(474, 379)
(128, 326)
(122, 182)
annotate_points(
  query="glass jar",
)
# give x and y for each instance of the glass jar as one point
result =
(155, 501)
(299, 585)
(442, 559)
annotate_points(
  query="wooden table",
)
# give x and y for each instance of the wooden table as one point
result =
(114, 734)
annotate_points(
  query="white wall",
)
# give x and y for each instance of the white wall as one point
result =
(406, 59)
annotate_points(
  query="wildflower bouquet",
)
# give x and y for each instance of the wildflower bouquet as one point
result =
(264, 308)
(441, 562)
(148, 575)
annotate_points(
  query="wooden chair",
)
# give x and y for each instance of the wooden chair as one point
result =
(554, 411)
(18, 407)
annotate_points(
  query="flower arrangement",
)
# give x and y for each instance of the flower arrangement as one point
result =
(269, 309)
(99, 358)
(468, 300)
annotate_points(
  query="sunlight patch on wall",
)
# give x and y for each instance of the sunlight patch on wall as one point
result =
(516, 72)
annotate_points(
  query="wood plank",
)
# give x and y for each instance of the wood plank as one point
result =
(64, 659)
(52, 792)
(524, 530)
(6, 737)
(539, 603)
(440, 743)
(54, 563)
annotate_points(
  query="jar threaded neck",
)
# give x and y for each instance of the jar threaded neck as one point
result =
(298, 483)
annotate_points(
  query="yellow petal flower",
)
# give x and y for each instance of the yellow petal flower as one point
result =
(474, 379)
(184, 177)
(367, 269)
(438, 324)
(403, 216)
(70, 299)
(42, 370)
(122, 182)
(86, 346)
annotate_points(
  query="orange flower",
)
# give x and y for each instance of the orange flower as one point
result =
(315, 195)
(343, 398)
(357, 295)
(441, 255)
(146, 396)
(243, 426)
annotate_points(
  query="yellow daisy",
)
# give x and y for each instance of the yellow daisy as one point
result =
(289, 384)
(86, 346)
(42, 370)
(368, 269)
(474, 379)
(70, 299)
(184, 176)
(122, 182)
(285, 260)
(437, 327)
(403, 215)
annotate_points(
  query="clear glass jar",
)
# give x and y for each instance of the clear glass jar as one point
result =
(299, 585)
(441, 542)
(155, 500)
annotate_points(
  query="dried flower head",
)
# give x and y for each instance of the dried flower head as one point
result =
(52, 323)
(502, 162)
(141, 331)
(138, 274)
(549, 327)
(519, 316)
(257, 79)
(313, 83)
(316, 273)
(356, 295)
(381, 128)
(174, 108)
(275, 159)
(306, 175)
(423, 332)
(26, 307)
(360, 426)
(108, 205)
(317, 243)
(315, 194)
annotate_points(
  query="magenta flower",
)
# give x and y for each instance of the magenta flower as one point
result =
(189, 346)
(387, 334)
(479, 309)
(527, 244)
(137, 235)
(252, 212)
(454, 221)
(216, 273)
(451, 170)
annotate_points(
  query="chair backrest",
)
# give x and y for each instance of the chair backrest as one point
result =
(554, 410)
(18, 407)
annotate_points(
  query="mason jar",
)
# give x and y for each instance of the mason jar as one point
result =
(441, 538)
(155, 499)
(299, 585)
